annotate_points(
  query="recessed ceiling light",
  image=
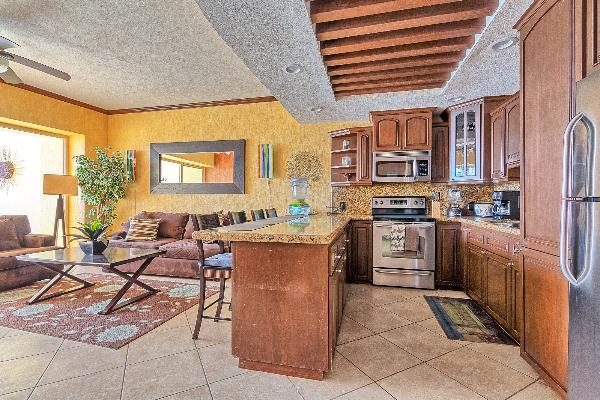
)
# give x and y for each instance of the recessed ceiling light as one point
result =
(316, 109)
(456, 99)
(505, 43)
(293, 69)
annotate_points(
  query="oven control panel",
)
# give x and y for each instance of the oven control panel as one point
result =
(399, 202)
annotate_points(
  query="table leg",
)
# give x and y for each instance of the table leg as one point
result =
(131, 280)
(62, 273)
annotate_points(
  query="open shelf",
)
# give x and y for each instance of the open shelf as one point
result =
(343, 166)
(353, 150)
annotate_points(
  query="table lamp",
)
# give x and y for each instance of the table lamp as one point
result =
(61, 185)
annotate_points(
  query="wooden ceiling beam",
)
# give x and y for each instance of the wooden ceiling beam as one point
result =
(418, 49)
(400, 88)
(332, 10)
(403, 37)
(394, 74)
(411, 18)
(396, 63)
(392, 82)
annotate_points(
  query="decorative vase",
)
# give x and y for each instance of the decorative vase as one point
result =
(93, 247)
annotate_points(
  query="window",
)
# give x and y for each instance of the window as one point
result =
(34, 155)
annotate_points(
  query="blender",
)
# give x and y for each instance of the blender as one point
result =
(455, 203)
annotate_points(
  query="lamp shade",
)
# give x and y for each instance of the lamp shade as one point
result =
(60, 184)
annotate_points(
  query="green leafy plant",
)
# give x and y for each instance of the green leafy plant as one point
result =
(103, 183)
(91, 231)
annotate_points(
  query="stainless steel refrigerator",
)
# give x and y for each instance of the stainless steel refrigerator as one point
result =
(580, 239)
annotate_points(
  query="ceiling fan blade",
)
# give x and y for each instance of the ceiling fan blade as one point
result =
(6, 44)
(40, 67)
(10, 77)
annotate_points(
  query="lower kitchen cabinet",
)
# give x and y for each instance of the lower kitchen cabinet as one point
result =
(448, 271)
(360, 267)
(497, 288)
(337, 289)
(476, 264)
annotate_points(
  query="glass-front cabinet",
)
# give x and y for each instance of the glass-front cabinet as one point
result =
(465, 143)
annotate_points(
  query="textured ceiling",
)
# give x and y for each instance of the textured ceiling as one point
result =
(124, 54)
(268, 35)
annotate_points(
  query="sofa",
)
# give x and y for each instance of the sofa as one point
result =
(175, 237)
(15, 273)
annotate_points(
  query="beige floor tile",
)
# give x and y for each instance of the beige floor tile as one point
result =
(421, 342)
(6, 332)
(343, 378)
(356, 305)
(378, 319)
(27, 344)
(377, 357)
(219, 363)
(163, 376)
(351, 330)
(415, 309)
(255, 386)
(22, 373)
(20, 395)
(105, 385)
(201, 393)
(369, 392)
(159, 344)
(379, 295)
(212, 333)
(82, 360)
(433, 325)
(179, 321)
(481, 374)
(449, 293)
(505, 354)
(536, 391)
(425, 383)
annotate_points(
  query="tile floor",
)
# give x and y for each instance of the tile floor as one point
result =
(390, 347)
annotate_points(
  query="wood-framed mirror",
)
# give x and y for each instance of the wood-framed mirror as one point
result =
(206, 167)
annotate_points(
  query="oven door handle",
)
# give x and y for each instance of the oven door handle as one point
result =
(400, 272)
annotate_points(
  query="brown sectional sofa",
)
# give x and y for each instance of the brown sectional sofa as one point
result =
(175, 237)
(15, 273)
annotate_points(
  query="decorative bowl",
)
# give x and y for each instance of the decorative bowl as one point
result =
(93, 247)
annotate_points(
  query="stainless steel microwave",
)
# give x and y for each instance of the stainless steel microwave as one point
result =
(402, 166)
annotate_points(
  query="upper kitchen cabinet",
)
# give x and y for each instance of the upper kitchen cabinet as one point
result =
(440, 164)
(587, 37)
(351, 156)
(506, 137)
(402, 129)
(470, 139)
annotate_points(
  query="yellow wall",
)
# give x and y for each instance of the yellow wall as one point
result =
(85, 129)
(256, 123)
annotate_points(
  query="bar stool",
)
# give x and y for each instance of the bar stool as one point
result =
(257, 215)
(218, 266)
(271, 213)
(239, 217)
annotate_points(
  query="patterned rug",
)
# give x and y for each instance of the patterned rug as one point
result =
(75, 316)
(463, 319)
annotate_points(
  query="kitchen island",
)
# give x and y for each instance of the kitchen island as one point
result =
(287, 293)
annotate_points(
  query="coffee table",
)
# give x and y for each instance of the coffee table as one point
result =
(62, 261)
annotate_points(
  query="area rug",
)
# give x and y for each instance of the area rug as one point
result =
(75, 316)
(463, 319)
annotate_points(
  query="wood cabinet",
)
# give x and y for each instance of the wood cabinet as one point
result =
(506, 136)
(440, 163)
(360, 266)
(470, 139)
(587, 37)
(351, 154)
(338, 254)
(448, 271)
(399, 130)
(497, 288)
(476, 262)
(516, 298)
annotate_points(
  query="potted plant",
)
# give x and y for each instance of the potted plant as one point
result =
(91, 240)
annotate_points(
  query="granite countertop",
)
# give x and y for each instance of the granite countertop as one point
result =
(484, 223)
(313, 229)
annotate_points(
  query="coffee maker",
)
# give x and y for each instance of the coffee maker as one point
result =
(506, 204)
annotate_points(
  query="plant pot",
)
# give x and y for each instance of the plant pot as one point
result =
(93, 247)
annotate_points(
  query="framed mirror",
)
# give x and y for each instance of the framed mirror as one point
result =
(210, 167)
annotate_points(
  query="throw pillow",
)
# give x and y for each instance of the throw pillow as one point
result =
(9, 240)
(142, 230)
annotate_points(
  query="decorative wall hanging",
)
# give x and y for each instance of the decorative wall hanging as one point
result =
(9, 168)
(265, 161)
(304, 164)
(130, 164)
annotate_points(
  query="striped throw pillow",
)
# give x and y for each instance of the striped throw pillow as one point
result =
(142, 230)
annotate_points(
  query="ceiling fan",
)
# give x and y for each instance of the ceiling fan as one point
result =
(9, 76)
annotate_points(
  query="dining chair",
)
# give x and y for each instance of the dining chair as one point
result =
(271, 213)
(257, 215)
(239, 217)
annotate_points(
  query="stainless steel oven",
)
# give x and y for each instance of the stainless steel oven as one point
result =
(402, 166)
(403, 242)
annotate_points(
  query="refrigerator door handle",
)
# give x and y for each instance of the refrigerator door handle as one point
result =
(568, 196)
